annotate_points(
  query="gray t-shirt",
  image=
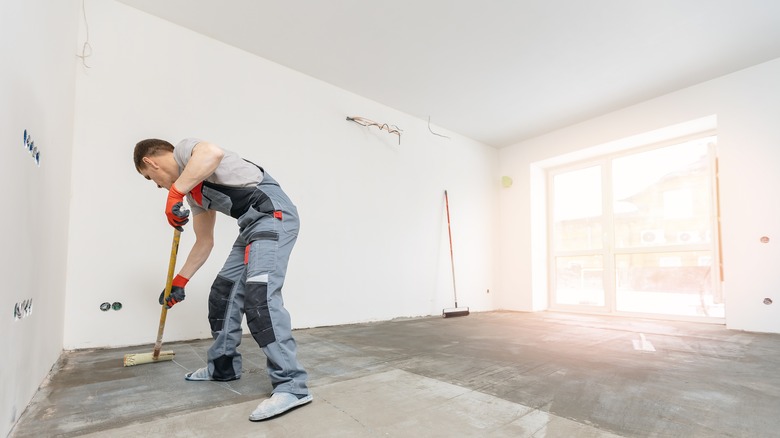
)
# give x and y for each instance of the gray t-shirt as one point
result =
(233, 171)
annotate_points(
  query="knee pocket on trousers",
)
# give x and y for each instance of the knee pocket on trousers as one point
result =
(262, 255)
(258, 315)
(218, 302)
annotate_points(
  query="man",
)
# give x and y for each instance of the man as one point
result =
(250, 282)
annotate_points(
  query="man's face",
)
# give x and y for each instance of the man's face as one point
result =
(154, 171)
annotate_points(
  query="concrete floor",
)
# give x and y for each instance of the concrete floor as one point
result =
(496, 374)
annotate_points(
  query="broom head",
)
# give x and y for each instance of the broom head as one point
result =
(455, 311)
(142, 358)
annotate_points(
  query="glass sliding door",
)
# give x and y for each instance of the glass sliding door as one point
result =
(578, 242)
(664, 218)
(634, 233)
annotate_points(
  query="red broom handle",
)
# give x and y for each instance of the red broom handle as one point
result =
(452, 257)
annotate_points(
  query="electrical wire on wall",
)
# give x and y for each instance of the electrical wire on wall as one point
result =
(383, 126)
(434, 133)
(86, 49)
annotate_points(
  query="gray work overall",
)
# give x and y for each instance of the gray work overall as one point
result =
(251, 283)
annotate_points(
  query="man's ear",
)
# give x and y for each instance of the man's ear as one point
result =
(149, 162)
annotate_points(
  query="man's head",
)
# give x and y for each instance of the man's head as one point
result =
(153, 159)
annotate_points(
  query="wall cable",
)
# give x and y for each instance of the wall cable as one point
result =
(434, 133)
(383, 126)
(86, 49)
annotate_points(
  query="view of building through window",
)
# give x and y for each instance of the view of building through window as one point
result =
(635, 232)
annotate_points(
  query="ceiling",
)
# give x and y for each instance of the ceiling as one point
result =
(497, 71)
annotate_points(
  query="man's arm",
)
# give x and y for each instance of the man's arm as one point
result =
(203, 162)
(203, 225)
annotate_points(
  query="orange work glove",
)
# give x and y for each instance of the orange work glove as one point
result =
(174, 209)
(177, 292)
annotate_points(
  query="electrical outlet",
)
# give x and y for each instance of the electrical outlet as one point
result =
(116, 305)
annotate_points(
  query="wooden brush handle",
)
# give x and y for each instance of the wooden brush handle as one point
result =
(168, 285)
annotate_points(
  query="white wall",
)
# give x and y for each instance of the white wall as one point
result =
(84, 228)
(36, 93)
(373, 243)
(747, 107)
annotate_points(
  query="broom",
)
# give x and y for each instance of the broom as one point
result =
(157, 355)
(454, 311)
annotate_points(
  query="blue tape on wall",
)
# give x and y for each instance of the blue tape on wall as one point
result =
(29, 144)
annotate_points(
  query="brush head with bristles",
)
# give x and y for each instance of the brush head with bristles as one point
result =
(455, 311)
(142, 358)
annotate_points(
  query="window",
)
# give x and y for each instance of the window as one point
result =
(633, 232)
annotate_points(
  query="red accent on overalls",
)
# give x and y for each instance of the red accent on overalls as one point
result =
(278, 214)
(197, 193)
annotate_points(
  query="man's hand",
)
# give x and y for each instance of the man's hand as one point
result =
(177, 292)
(174, 209)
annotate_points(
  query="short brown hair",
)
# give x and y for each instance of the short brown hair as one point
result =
(149, 148)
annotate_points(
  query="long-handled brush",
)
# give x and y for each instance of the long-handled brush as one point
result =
(455, 311)
(157, 355)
